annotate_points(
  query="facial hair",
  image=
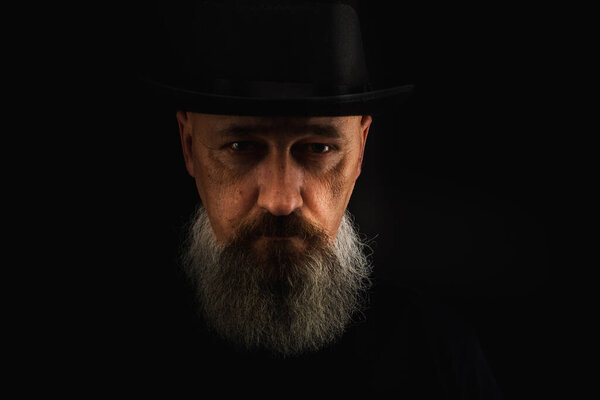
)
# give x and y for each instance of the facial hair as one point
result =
(280, 298)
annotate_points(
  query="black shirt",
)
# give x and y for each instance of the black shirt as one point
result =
(404, 345)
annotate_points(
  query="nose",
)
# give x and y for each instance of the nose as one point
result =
(280, 182)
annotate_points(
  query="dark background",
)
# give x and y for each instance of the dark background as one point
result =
(461, 189)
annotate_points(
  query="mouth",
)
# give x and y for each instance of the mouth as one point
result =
(295, 241)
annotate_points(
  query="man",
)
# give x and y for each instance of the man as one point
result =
(274, 115)
(272, 265)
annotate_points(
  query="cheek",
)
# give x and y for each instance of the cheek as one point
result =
(337, 181)
(327, 195)
(218, 178)
(226, 197)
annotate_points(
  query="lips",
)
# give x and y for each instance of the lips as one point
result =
(279, 237)
(269, 229)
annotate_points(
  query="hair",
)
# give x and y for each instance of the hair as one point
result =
(280, 300)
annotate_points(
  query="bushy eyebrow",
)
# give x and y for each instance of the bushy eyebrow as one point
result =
(328, 131)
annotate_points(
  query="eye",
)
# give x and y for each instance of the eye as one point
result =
(319, 148)
(242, 146)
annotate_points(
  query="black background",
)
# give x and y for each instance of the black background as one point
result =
(462, 190)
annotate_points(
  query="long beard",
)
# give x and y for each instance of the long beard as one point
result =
(278, 298)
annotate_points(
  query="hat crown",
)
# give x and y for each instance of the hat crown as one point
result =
(266, 57)
(268, 49)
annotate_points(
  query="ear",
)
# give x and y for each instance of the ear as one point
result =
(365, 124)
(185, 134)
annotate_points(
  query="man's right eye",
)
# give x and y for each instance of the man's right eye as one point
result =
(242, 146)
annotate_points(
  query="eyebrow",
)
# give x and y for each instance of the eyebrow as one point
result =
(328, 131)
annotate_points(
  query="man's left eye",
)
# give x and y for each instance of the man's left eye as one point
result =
(319, 148)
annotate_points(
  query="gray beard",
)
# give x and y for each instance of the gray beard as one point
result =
(281, 302)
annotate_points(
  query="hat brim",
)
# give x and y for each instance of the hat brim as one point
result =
(366, 103)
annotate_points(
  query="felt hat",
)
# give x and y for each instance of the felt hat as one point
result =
(292, 58)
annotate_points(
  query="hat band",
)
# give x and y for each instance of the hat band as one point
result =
(280, 90)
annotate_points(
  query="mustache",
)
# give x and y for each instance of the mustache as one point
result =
(284, 226)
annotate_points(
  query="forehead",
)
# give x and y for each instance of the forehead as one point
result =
(232, 125)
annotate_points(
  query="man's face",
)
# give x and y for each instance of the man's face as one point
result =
(275, 257)
(247, 166)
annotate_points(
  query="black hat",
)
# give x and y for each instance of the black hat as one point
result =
(297, 58)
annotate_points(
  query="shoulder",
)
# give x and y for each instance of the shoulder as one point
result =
(421, 311)
(437, 343)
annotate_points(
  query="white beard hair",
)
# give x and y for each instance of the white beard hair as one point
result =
(329, 290)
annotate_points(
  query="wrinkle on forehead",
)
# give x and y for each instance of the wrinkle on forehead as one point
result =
(279, 124)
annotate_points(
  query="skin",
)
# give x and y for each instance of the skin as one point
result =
(279, 167)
